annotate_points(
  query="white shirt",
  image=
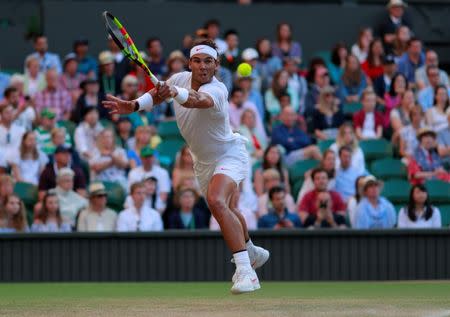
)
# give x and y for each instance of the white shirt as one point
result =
(222, 46)
(358, 160)
(206, 131)
(352, 206)
(368, 129)
(29, 169)
(26, 118)
(160, 206)
(85, 137)
(10, 139)
(147, 219)
(433, 222)
(360, 54)
(436, 120)
(112, 173)
(138, 174)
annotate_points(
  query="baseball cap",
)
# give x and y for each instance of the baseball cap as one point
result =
(81, 41)
(63, 149)
(425, 131)
(249, 53)
(70, 57)
(147, 151)
(105, 57)
(389, 59)
(48, 113)
(97, 189)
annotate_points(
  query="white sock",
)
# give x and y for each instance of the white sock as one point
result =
(249, 244)
(241, 259)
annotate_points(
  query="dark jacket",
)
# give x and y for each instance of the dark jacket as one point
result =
(200, 221)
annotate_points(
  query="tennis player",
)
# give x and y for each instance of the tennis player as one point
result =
(220, 156)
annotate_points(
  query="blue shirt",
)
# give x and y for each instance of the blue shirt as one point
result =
(4, 83)
(345, 91)
(255, 97)
(369, 217)
(48, 61)
(345, 181)
(407, 68)
(425, 98)
(272, 218)
(87, 64)
(290, 138)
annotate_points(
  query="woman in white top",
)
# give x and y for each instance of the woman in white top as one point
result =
(346, 136)
(361, 48)
(27, 162)
(49, 218)
(400, 115)
(419, 213)
(354, 201)
(436, 116)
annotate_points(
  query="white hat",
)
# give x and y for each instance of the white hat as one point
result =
(129, 80)
(396, 3)
(65, 171)
(105, 57)
(249, 53)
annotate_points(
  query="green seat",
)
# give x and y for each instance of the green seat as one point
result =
(297, 171)
(445, 214)
(439, 191)
(70, 128)
(396, 191)
(325, 55)
(168, 129)
(350, 108)
(116, 195)
(296, 188)
(376, 149)
(28, 193)
(168, 150)
(325, 144)
(107, 124)
(388, 168)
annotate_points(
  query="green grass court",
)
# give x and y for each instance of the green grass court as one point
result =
(214, 299)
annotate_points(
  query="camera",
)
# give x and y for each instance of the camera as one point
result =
(323, 204)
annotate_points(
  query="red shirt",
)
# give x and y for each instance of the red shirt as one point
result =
(372, 71)
(309, 202)
(360, 116)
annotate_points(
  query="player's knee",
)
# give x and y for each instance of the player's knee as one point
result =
(216, 204)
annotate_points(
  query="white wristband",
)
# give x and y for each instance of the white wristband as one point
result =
(183, 95)
(145, 102)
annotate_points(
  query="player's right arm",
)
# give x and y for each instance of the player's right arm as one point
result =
(120, 106)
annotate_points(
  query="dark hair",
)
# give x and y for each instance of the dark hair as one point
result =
(203, 41)
(34, 151)
(155, 194)
(37, 37)
(275, 190)
(392, 92)
(412, 205)
(335, 59)
(43, 215)
(430, 67)
(345, 148)
(314, 63)
(136, 186)
(8, 91)
(412, 40)
(151, 40)
(318, 170)
(370, 57)
(235, 90)
(230, 32)
(446, 90)
(211, 22)
(278, 166)
(278, 30)
(357, 195)
(258, 43)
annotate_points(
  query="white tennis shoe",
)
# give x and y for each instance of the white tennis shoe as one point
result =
(245, 281)
(258, 257)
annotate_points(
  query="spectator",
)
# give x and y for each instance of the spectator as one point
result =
(353, 81)
(157, 63)
(419, 213)
(121, 65)
(139, 217)
(62, 159)
(34, 79)
(346, 174)
(367, 121)
(90, 97)
(183, 167)
(13, 217)
(279, 217)
(187, 216)
(45, 129)
(346, 137)
(212, 28)
(149, 168)
(176, 63)
(4, 83)
(400, 116)
(251, 94)
(408, 134)
(24, 113)
(86, 133)
(425, 163)
(250, 56)
(361, 48)
(373, 66)
(97, 217)
(124, 133)
(225, 76)
(374, 211)
(87, 65)
(354, 200)
(382, 84)
(6, 189)
(27, 162)
(71, 79)
(46, 59)
(272, 158)
(328, 163)
(444, 143)
(109, 77)
(394, 20)
(297, 83)
(400, 44)
(436, 116)
(231, 57)
(280, 85)
(411, 60)
(108, 163)
(320, 78)
(426, 97)
(256, 143)
(431, 59)
(142, 137)
(285, 46)
(59, 136)
(393, 97)
(152, 198)
(54, 97)
(49, 218)
(339, 55)
(267, 64)
(271, 179)
(327, 116)
(10, 133)
(298, 145)
(69, 201)
(322, 207)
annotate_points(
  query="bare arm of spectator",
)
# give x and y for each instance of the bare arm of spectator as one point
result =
(287, 185)
(16, 172)
(379, 132)
(443, 150)
(97, 167)
(119, 160)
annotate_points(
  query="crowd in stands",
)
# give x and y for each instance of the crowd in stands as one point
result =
(359, 137)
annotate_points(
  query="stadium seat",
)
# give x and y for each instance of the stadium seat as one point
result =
(28, 193)
(168, 130)
(106, 123)
(445, 214)
(350, 108)
(70, 128)
(325, 55)
(297, 171)
(376, 149)
(396, 191)
(439, 191)
(325, 144)
(388, 168)
(296, 189)
(168, 150)
(116, 195)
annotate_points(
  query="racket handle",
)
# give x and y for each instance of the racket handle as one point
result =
(155, 82)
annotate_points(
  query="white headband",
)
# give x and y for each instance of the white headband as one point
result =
(203, 49)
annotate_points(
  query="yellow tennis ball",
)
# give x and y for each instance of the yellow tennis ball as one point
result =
(244, 69)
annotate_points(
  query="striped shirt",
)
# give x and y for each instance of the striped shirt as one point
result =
(58, 100)
(44, 140)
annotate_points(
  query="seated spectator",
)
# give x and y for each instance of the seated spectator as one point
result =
(13, 216)
(44, 132)
(298, 145)
(46, 59)
(353, 202)
(143, 136)
(346, 137)
(27, 162)
(124, 132)
(396, 17)
(54, 97)
(353, 81)
(436, 116)
(425, 162)
(49, 218)
(157, 62)
(271, 178)
(24, 113)
(322, 207)
(373, 65)
(152, 198)
(256, 143)
(361, 48)
(339, 55)
(71, 79)
(90, 97)
(400, 44)
(187, 216)
(251, 94)
(6, 189)
(280, 86)
(176, 63)
(419, 213)
(393, 98)
(431, 59)
(328, 116)
(10, 133)
(232, 56)
(34, 79)
(285, 46)
(443, 140)
(382, 83)
(346, 174)
(59, 136)
(87, 132)
(297, 84)
(183, 167)
(400, 116)
(69, 201)
(426, 97)
(267, 64)
(139, 217)
(279, 216)
(272, 158)
(319, 78)
(374, 211)
(328, 163)
(413, 59)
(97, 217)
(250, 56)
(368, 122)
(87, 65)
(408, 134)
(109, 78)
(149, 168)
